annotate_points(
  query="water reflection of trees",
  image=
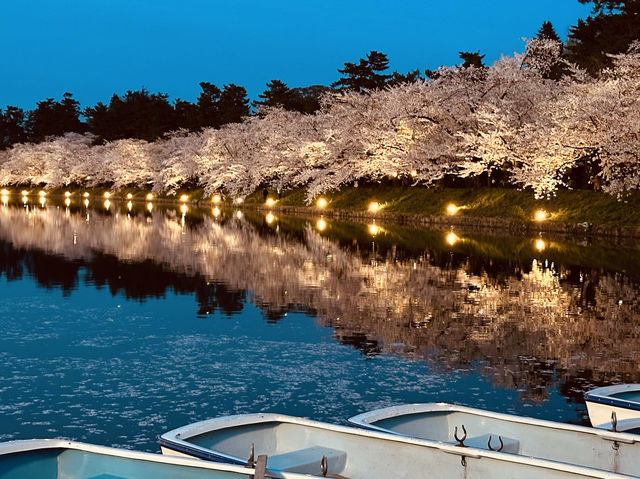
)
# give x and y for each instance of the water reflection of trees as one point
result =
(532, 323)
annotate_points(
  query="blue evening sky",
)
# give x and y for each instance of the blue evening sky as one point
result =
(94, 48)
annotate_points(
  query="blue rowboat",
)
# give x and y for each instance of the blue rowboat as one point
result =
(615, 407)
(506, 433)
(60, 459)
(301, 445)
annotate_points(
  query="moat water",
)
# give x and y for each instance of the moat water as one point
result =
(118, 323)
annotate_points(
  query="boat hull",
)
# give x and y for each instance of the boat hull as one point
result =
(298, 445)
(619, 404)
(548, 440)
(59, 459)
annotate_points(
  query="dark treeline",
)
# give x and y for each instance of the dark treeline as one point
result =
(148, 116)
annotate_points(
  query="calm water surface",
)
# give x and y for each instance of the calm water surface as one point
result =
(118, 324)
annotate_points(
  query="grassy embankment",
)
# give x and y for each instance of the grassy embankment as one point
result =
(568, 211)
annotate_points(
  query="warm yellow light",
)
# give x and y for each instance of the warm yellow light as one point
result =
(216, 199)
(107, 194)
(129, 196)
(129, 205)
(239, 214)
(414, 173)
(452, 209)
(394, 174)
(452, 238)
(239, 201)
(107, 204)
(216, 212)
(540, 245)
(42, 193)
(67, 202)
(25, 199)
(184, 198)
(85, 194)
(322, 203)
(25, 193)
(67, 194)
(86, 203)
(269, 218)
(149, 196)
(5, 199)
(374, 229)
(321, 225)
(149, 207)
(541, 215)
(4, 192)
(42, 201)
(270, 202)
(374, 206)
(184, 209)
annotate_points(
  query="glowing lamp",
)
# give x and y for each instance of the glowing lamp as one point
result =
(452, 238)
(184, 198)
(394, 174)
(540, 245)
(238, 201)
(322, 203)
(4, 192)
(452, 209)
(414, 173)
(374, 229)
(25, 193)
(374, 206)
(216, 199)
(86, 194)
(107, 194)
(42, 193)
(270, 202)
(67, 194)
(149, 196)
(540, 215)
(129, 196)
(321, 225)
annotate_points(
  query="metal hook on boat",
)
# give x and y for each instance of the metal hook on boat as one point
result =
(251, 462)
(460, 441)
(324, 466)
(614, 422)
(497, 449)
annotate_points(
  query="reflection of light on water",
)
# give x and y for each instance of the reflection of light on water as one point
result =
(239, 214)
(129, 205)
(107, 204)
(25, 200)
(67, 202)
(5, 200)
(321, 225)
(149, 207)
(452, 238)
(184, 209)
(374, 229)
(216, 212)
(269, 218)
(86, 203)
(540, 244)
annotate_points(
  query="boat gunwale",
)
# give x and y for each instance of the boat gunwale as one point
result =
(365, 420)
(603, 395)
(26, 445)
(171, 438)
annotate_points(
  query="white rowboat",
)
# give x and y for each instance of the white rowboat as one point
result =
(565, 443)
(614, 407)
(301, 445)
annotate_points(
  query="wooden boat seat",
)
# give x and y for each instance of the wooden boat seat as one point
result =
(481, 442)
(307, 460)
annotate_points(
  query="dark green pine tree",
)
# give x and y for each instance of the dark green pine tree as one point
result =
(611, 30)
(471, 59)
(276, 94)
(54, 118)
(208, 108)
(12, 123)
(401, 78)
(233, 105)
(366, 75)
(546, 32)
